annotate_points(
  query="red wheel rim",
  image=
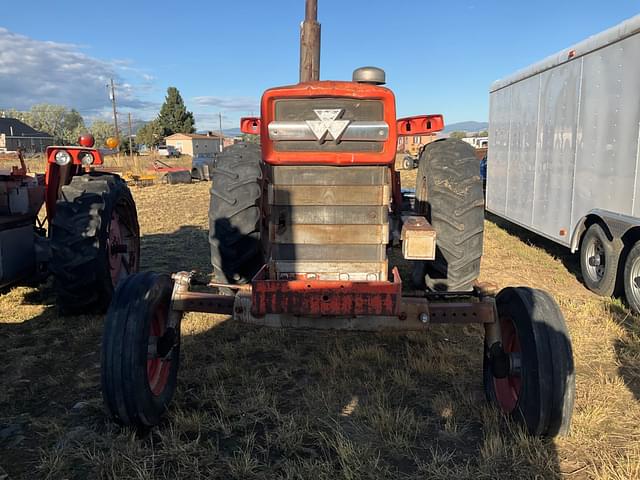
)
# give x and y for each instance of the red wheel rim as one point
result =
(158, 368)
(508, 389)
(116, 266)
(121, 249)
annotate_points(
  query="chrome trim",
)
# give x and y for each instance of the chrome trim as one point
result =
(355, 131)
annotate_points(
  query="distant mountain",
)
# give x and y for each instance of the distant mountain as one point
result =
(232, 132)
(468, 126)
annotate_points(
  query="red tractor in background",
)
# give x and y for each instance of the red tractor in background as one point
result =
(93, 240)
(300, 227)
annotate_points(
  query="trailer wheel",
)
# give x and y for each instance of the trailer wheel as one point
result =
(235, 214)
(140, 354)
(530, 376)
(632, 278)
(449, 193)
(95, 241)
(599, 259)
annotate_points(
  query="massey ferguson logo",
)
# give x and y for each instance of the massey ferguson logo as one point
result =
(328, 124)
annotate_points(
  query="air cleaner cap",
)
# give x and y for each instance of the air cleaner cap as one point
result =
(372, 75)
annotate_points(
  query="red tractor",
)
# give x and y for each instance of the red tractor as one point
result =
(300, 227)
(93, 240)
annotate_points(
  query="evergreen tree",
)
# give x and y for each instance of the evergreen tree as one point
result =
(150, 134)
(174, 116)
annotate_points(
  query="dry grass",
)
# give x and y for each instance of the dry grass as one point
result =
(259, 403)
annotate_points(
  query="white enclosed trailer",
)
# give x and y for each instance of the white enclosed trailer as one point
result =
(564, 154)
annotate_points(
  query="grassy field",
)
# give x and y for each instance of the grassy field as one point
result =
(258, 403)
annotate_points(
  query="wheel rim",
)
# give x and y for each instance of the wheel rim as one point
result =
(595, 260)
(158, 368)
(508, 389)
(634, 281)
(122, 248)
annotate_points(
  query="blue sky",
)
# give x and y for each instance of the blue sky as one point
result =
(440, 57)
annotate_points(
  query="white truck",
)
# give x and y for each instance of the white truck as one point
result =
(564, 155)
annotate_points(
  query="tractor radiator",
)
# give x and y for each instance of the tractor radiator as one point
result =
(328, 223)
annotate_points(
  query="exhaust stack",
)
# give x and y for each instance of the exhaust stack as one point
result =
(310, 43)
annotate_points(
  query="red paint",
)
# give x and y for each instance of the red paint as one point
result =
(508, 389)
(74, 152)
(158, 369)
(329, 89)
(420, 125)
(250, 125)
(56, 176)
(324, 297)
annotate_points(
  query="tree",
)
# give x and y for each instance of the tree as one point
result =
(65, 126)
(72, 126)
(102, 130)
(250, 138)
(174, 116)
(458, 135)
(149, 134)
(483, 133)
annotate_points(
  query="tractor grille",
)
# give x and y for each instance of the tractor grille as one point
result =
(328, 223)
(355, 110)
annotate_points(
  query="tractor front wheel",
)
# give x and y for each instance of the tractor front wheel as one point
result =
(140, 351)
(95, 241)
(529, 375)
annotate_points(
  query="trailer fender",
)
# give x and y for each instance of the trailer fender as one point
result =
(616, 225)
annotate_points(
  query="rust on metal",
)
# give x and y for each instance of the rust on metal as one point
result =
(418, 238)
(324, 297)
(310, 43)
(203, 302)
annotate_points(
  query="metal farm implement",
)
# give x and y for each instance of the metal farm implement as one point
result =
(300, 226)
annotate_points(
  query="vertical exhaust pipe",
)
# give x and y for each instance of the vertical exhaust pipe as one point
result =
(310, 43)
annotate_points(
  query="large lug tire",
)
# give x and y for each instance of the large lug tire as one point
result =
(235, 214)
(537, 386)
(140, 354)
(95, 241)
(599, 258)
(449, 193)
(631, 277)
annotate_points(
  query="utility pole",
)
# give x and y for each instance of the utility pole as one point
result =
(310, 43)
(112, 95)
(130, 139)
(221, 134)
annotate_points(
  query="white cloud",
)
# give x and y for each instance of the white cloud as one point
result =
(34, 71)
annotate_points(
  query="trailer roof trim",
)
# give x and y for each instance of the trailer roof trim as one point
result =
(612, 35)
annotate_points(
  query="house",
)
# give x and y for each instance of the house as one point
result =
(411, 144)
(15, 134)
(195, 144)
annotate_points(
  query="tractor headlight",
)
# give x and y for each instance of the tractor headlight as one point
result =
(87, 158)
(63, 158)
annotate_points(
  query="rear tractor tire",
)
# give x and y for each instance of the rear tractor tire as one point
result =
(449, 193)
(140, 352)
(235, 214)
(95, 241)
(530, 375)
(599, 259)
